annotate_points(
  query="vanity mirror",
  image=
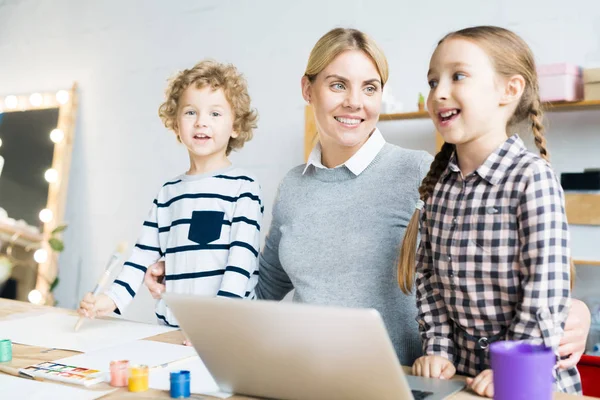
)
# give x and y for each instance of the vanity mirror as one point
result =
(36, 136)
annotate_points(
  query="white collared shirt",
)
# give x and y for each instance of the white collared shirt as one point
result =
(359, 161)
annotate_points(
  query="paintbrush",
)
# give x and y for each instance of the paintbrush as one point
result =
(174, 362)
(113, 263)
(16, 372)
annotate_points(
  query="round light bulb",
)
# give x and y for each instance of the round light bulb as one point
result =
(36, 99)
(51, 175)
(11, 102)
(35, 296)
(62, 96)
(46, 215)
(40, 256)
(57, 135)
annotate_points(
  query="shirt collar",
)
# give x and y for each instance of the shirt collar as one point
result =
(496, 166)
(359, 161)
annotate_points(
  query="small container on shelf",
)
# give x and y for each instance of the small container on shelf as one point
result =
(421, 102)
(591, 83)
(560, 82)
(588, 180)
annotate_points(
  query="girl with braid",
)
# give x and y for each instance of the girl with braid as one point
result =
(493, 261)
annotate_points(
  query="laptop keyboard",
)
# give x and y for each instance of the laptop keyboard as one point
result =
(420, 395)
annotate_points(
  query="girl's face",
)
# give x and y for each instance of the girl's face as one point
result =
(466, 96)
(346, 99)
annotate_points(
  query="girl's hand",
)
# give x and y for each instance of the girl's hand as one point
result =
(482, 384)
(433, 367)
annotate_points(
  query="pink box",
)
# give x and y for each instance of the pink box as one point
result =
(560, 82)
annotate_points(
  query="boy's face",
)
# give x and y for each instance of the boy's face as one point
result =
(205, 123)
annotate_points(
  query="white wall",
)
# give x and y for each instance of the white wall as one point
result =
(121, 53)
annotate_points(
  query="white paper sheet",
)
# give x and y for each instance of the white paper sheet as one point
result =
(154, 354)
(56, 330)
(21, 388)
(146, 352)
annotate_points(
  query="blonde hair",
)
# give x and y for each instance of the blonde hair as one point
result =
(510, 56)
(217, 76)
(338, 40)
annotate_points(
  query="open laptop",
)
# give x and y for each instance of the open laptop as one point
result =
(285, 350)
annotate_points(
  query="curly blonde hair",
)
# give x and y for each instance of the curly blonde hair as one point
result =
(217, 76)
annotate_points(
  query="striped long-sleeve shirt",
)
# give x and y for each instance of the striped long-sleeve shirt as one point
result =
(207, 230)
(494, 258)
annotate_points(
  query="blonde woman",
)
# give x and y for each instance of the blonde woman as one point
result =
(338, 220)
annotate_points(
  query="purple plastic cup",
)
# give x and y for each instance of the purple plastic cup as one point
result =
(522, 371)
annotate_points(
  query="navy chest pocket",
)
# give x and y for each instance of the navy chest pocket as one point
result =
(205, 226)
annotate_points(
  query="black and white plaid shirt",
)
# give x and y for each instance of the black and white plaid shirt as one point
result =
(494, 260)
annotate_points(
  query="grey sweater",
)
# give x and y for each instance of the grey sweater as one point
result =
(335, 238)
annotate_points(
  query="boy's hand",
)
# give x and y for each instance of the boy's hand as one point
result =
(433, 367)
(153, 278)
(96, 306)
(482, 384)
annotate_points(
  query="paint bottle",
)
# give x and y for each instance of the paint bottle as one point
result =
(5, 350)
(180, 384)
(138, 378)
(119, 373)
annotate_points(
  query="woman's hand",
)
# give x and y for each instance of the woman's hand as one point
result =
(574, 339)
(153, 279)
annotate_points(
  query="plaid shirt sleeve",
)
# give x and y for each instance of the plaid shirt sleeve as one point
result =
(544, 260)
(434, 327)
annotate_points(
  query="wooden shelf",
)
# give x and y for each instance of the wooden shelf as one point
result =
(572, 105)
(587, 262)
(583, 208)
(402, 116)
(548, 107)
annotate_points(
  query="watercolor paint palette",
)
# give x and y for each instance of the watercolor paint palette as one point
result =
(65, 373)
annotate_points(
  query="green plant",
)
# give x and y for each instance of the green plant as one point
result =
(57, 245)
(55, 242)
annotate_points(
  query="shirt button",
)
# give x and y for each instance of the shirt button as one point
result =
(449, 258)
(454, 221)
(451, 274)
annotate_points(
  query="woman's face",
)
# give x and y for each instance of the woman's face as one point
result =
(346, 99)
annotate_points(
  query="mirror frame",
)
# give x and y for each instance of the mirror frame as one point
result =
(66, 101)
